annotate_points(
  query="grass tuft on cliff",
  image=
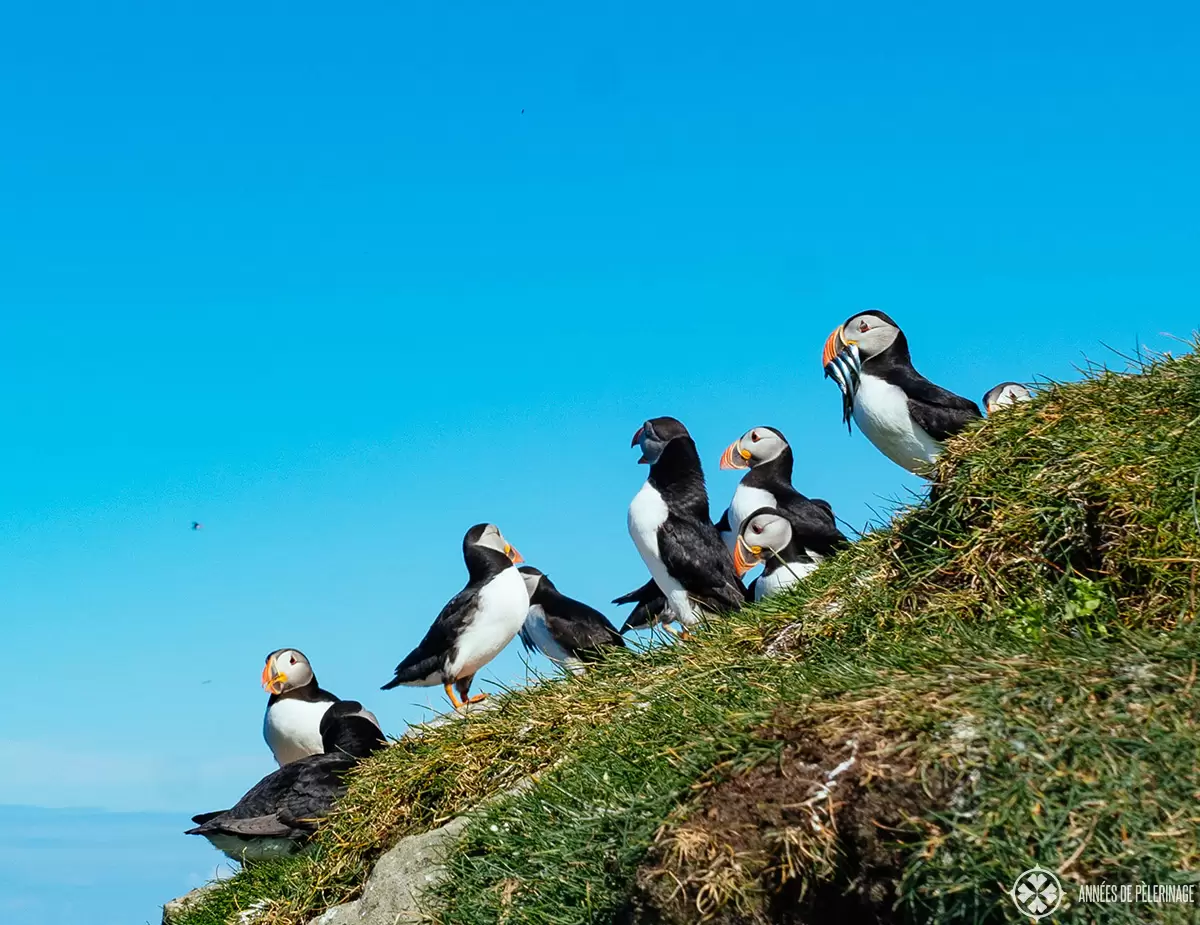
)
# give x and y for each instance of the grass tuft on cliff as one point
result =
(1005, 675)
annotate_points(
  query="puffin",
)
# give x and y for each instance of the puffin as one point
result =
(905, 415)
(292, 724)
(768, 456)
(566, 631)
(670, 526)
(767, 536)
(650, 610)
(476, 624)
(279, 814)
(1004, 394)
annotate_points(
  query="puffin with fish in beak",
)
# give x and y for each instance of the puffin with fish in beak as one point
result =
(905, 415)
(476, 624)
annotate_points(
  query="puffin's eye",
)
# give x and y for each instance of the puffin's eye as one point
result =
(863, 327)
(293, 659)
(754, 436)
(756, 528)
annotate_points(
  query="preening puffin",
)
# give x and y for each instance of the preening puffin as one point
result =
(1004, 394)
(292, 724)
(768, 456)
(279, 814)
(767, 536)
(904, 414)
(566, 631)
(476, 624)
(670, 526)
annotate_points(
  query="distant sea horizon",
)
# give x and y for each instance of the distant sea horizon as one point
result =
(64, 866)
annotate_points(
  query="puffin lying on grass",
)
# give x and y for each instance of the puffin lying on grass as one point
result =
(279, 814)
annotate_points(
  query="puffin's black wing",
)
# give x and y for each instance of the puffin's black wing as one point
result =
(260, 800)
(432, 651)
(697, 558)
(813, 526)
(651, 605)
(641, 595)
(578, 628)
(939, 411)
(285, 803)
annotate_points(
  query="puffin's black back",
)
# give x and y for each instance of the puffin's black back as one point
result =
(679, 476)
(690, 545)
(582, 630)
(345, 731)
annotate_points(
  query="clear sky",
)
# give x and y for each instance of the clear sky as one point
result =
(311, 277)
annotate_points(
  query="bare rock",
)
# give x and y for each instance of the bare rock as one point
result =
(181, 905)
(392, 893)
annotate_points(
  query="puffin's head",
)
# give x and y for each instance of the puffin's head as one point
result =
(286, 670)
(654, 435)
(862, 336)
(1006, 393)
(871, 332)
(533, 577)
(764, 532)
(753, 448)
(489, 537)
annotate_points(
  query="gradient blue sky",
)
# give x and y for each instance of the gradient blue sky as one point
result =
(309, 276)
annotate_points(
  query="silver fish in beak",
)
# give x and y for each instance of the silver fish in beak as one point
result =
(843, 364)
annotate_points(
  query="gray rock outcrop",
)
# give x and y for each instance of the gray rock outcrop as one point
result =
(392, 893)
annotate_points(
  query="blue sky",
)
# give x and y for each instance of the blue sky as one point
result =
(312, 278)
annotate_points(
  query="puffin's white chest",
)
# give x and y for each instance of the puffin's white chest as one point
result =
(746, 500)
(500, 611)
(292, 728)
(781, 578)
(881, 413)
(538, 634)
(647, 512)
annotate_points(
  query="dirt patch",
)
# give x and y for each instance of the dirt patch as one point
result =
(819, 835)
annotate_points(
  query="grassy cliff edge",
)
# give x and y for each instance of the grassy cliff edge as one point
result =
(1005, 675)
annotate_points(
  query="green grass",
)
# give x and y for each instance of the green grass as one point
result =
(1022, 646)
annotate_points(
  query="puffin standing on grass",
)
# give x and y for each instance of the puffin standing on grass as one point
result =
(566, 631)
(292, 724)
(279, 814)
(476, 624)
(767, 536)
(768, 456)
(905, 415)
(1005, 394)
(670, 526)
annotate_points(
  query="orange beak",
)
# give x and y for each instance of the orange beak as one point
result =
(735, 457)
(741, 563)
(513, 555)
(833, 346)
(270, 680)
